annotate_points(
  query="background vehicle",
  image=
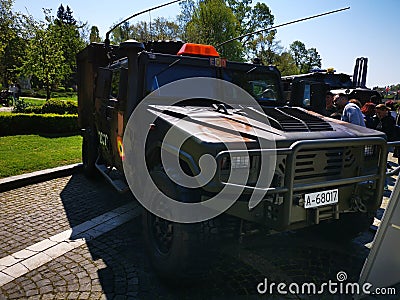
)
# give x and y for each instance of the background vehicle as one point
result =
(309, 90)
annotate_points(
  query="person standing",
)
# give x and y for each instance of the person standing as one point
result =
(351, 112)
(330, 108)
(368, 111)
(13, 90)
(383, 121)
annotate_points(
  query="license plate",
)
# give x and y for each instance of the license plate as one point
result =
(321, 198)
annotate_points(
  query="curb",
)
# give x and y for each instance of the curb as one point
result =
(13, 182)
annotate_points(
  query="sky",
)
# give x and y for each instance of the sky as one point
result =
(370, 28)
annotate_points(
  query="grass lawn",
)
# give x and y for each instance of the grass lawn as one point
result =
(28, 153)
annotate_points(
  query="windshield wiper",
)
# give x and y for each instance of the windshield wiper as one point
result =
(155, 80)
(169, 67)
(251, 70)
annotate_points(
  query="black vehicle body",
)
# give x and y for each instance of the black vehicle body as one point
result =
(309, 90)
(314, 153)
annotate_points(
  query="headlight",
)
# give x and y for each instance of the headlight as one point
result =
(239, 162)
(369, 150)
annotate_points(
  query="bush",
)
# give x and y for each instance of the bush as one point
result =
(20, 106)
(33, 109)
(11, 124)
(72, 107)
(54, 106)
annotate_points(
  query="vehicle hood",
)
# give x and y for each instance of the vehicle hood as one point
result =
(283, 124)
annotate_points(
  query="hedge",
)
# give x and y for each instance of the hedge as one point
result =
(52, 106)
(12, 124)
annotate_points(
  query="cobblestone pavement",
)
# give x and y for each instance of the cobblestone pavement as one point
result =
(114, 265)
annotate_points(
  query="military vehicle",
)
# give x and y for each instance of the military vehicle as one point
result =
(309, 90)
(327, 173)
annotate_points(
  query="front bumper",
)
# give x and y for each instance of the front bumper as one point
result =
(310, 166)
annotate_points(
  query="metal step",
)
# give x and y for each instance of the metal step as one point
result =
(114, 177)
(326, 213)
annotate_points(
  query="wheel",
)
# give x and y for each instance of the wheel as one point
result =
(178, 252)
(90, 152)
(349, 226)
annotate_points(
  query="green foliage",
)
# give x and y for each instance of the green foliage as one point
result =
(20, 106)
(52, 106)
(40, 94)
(44, 57)
(57, 106)
(305, 59)
(12, 43)
(213, 22)
(33, 109)
(72, 107)
(65, 27)
(11, 124)
(94, 35)
(160, 29)
(286, 64)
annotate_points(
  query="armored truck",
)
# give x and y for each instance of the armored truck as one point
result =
(324, 172)
(309, 90)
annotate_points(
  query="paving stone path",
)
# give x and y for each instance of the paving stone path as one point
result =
(106, 258)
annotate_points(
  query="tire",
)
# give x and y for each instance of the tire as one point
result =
(349, 226)
(178, 252)
(90, 152)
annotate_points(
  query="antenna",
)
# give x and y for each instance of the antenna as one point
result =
(281, 25)
(107, 39)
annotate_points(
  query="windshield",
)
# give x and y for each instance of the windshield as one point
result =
(160, 74)
(261, 84)
(338, 81)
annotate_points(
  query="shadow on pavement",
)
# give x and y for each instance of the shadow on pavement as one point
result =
(294, 256)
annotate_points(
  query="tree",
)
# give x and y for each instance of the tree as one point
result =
(253, 19)
(313, 60)
(64, 16)
(213, 23)
(163, 29)
(299, 53)
(67, 31)
(69, 19)
(6, 23)
(305, 59)
(60, 14)
(94, 35)
(44, 55)
(187, 10)
(159, 29)
(12, 45)
(266, 47)
(286, 64)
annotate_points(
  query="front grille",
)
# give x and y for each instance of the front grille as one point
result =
(325, 164)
